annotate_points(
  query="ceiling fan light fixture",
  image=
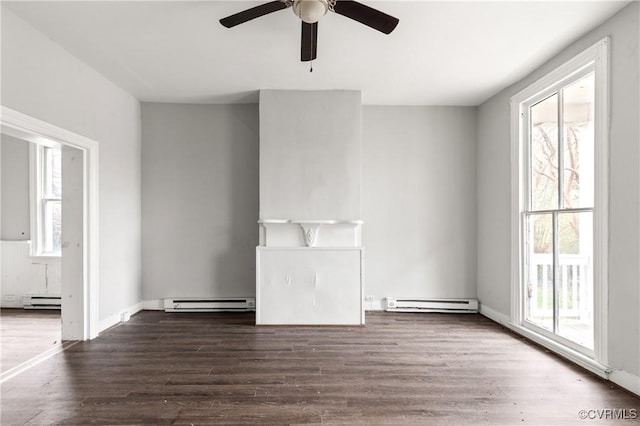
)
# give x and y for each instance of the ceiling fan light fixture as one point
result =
(310, 11)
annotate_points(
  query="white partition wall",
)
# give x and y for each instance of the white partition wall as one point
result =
(310, 154)
(317, 286)
(310, 259)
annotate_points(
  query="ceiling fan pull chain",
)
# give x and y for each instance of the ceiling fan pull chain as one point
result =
(311, 69)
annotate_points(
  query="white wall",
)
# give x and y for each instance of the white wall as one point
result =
(419, 201)
(42, 80)
(15, 189)
(22, 275)
(494, 203)
(310, 154)
(624, 188)
(200, 200)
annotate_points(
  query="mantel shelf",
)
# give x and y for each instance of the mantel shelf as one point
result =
(286, 232)
(312, 221)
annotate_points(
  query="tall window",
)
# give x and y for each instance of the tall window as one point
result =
(560, 242)
(558, 214)
(47, 201)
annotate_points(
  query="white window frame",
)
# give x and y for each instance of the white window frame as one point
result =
(595, 57)
(38, 198)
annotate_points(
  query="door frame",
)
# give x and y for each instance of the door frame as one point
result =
(83, 296)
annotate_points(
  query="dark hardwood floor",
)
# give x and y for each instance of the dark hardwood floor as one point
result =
(25, 334)
(218, 368)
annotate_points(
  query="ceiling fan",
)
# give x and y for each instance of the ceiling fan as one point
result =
(310, 12)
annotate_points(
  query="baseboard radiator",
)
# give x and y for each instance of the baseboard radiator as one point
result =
(42, 302)
(218, 304)
(432, 305)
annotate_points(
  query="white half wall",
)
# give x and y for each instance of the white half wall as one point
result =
(310, 169)
(200, 200)
(493, 183)
(15, 189)
(42, 80)
(22, 275)
(419, 201)
(309, 286)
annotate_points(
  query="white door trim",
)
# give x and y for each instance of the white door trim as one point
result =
(32, 129)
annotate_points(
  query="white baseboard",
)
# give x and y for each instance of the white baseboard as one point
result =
(153, 305)
(494, 315)
(120, 317)
(629, 381)
(374, 305)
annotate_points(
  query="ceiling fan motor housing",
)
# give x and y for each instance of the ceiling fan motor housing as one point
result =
(310, 11)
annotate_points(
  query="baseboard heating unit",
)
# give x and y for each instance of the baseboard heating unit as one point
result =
(41, 302)
(218, 304)
(432, 305)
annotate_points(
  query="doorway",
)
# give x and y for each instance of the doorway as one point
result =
(79, 293)
(30, 244)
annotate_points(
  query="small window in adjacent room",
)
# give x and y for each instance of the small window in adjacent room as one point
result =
(46, 209)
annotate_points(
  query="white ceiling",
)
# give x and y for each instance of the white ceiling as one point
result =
(441, 53)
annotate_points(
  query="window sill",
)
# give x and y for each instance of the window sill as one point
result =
(45, 256)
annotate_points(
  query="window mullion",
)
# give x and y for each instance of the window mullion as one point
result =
(526, 119)
(43, 226)
(560, 149)
(41, 203)
(555, 221)
(556, 272)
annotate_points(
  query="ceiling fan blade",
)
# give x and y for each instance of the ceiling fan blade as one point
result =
(366, 15)
(309, 44)
(253, 13)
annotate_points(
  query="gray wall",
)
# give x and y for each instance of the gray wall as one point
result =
(200, 200)
(310, 154)
(624, 188)
(15, 189)
(41, 79)
(419, 201)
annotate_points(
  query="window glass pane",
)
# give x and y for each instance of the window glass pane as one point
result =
(53, 172)
(52, 226)
(575, 285)
(539, 270)
(544, 154)
(578, 150)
